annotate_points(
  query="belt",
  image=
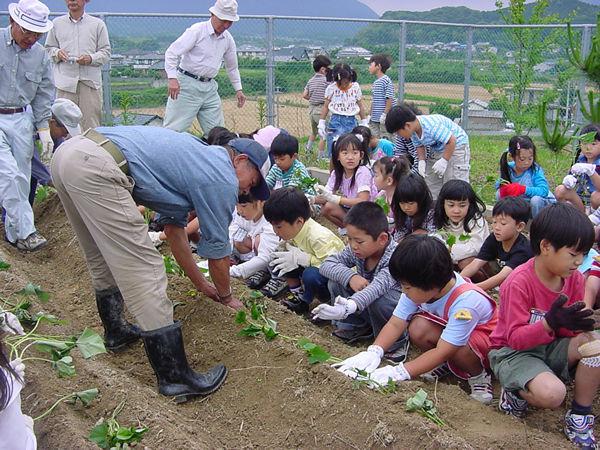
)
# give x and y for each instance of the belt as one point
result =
(111, 148)
(195, 77)
(11, 110)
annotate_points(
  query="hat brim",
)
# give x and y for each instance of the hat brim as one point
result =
(223, 16)
(261, 191)
(73, 131)
(26, 25)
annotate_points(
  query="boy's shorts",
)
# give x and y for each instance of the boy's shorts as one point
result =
(314, 112)
(514, 369)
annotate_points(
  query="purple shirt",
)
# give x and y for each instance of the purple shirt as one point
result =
(363, 182)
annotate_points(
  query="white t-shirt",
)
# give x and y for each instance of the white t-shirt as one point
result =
(14, 433)
(341, 102)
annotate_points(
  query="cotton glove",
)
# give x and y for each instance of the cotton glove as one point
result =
(574, 317)
(322, 128)
(365, 122)
(9, 323)
(422, 167)
(28, 421)
(512, 190)
(383, 375)
(311, 199)
(569, 181)
(284, 262)
(367, 361)
(47, 144)
(341, 309)
(328, 195)
(439, 168)
(19, 367)
(583, 169)
(382, 118)
(234, 272)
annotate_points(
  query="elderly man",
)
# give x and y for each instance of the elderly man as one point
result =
(79, 46)
(101, 176)
(192, 63)
(26, 79)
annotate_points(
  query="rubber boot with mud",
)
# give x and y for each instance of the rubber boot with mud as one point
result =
(166, 353)
(118, 333)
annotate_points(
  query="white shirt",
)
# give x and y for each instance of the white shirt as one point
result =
(14, 432)
(199, 50)
(341, 102)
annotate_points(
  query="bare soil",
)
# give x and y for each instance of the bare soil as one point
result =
(272, 398)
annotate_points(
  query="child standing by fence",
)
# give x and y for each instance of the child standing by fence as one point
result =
(314, 92)
(382, 94)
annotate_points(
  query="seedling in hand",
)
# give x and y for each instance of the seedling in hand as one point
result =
(382, 202)
(363, 379)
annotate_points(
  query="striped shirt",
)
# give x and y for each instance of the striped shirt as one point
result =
(383, 88)
(405, 147)
(316, 89)
(437, 131)
(277, 178)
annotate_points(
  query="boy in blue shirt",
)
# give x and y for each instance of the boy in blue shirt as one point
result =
(287, 171)
(382, 96)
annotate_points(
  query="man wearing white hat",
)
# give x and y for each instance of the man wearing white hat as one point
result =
(192, 62)
(26, 79)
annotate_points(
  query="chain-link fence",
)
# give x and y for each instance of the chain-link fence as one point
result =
(487, 76)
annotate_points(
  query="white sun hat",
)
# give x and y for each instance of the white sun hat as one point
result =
(225, 10)
(68, 114)
(31, 15)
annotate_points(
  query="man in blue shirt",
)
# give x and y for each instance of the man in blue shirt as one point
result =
(101, 177)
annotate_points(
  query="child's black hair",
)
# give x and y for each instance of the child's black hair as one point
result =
(458, 190)
(342, 71)
(220, 136)
(284, 144)
(368, 217)
(395, 167)
(286, 205)
(589, 128)
(422, 261)
(412, 188)
(384, 61)
(366, 136)
(398, 116)
(6, 384)
(321, 61)
(344, 141)
(246, 198)
(515, 145)
(563, 225)
(516, 207)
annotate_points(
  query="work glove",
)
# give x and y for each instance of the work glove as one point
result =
(234, 272)
(569, 181)
(9, 323)
(384, 374)
(311, 199)
(583, 169)
(367, 361)
(365, 122)
(422, 167)
(19, 367)
(284, 262)
(439, 168)
(382, 118)
(328, 195)
(322, 128)
(341, 309)
(574, 317)
(512, 190)
(47, 144)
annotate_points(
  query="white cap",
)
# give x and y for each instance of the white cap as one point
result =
(225, 10)
(32, 15)
(68, 114)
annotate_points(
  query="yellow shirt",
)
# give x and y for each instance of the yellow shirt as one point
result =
(316, 240)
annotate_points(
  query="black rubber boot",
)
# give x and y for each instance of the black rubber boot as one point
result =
(118, 333)
(165, 351)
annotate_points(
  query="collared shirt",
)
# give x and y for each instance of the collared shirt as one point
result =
(277, 178)
(199, 50)
(316, 240)
(437, 131)
(25, 78)
(86, 36)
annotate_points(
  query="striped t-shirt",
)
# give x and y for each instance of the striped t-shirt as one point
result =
(383, 88)
(437, 131)
(316, 89)
(292, 177)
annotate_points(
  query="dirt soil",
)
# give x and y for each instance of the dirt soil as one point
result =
(272, 398)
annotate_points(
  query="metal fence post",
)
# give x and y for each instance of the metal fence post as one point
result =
(586, 38)
(107, 118)
(468, 63)
(270, 63)
(402, 62)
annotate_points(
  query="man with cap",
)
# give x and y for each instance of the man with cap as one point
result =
(65, 121)
(101, 176)
(192, 62)
(78, 46)
(26, 79)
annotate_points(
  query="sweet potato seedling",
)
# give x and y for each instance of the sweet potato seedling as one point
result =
(109, 434)
(306, 183)
(316, 353)
(363, 379)
(34, 290)
(4, 265)
(419, 403)
(382, 202)
(85, 397)
(172, 267)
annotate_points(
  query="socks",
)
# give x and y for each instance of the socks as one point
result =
(297, 290)
(576, 408)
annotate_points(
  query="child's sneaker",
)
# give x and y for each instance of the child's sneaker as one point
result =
(580, 430)
(258, 280)
(481, 388)
(512, 404)
(274, 287)
(438, 373)
(399, 355)
(294, 302)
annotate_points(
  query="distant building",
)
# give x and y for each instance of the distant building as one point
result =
(251, 51)
(152, 120)
(354, 52)
(485, 120)
(476, 105)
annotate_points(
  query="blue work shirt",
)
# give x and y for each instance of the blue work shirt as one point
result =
(175, 173)
(436, 131)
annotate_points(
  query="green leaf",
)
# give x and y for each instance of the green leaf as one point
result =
(318, 355)
(464, 237)
(251, 330)
(255, 312)
(451, 240)
(269, 333)
(60, 348)
(383, 204)
(86, 397)
(4, 265)
(49, 318)
(90, 344)
(33, 289)
(240, 317)
(305, 344)
(64, 366)
(99, 435)
(255, 295)
(271, 323)
(587, 138)
(130, 434)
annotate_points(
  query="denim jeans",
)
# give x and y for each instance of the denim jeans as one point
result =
(337, 126)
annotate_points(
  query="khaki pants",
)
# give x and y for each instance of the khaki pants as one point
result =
(96, 196)
(314, 113)
(379, 130)
(89, 101)
(458, 169)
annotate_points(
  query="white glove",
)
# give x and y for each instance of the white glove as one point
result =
(439, 168)
(47, 144)
(328, 195)
(365, 122)
(583, 169)
(155, 238)
(19, 367)
(367, 361)
(311, 199)
(10, 324)
(234, 271)
(28, 421)
(569, 181)
(284, 262)
(322, 128)
(382, 375)
(382, 118)
(341, 309)
(421, 167)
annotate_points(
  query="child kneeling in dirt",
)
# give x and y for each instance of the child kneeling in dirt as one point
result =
(448, 319)
(538, 345)
(307, 245)
(360, 282)
(252, 240)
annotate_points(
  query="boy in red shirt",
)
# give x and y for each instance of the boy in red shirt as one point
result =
(535, 346)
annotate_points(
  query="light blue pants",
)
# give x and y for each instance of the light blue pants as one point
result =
(196, 99)
(337, 126)
(16, 151)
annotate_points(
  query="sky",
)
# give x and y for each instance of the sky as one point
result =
(380, 6)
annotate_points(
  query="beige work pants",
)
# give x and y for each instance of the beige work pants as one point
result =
(89, 101)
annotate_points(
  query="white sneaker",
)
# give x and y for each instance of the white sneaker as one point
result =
(595, 217)
(481, 388)
(155, 238)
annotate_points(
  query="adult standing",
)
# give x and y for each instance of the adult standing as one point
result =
(101, 176)
(79, 46)
(25, 79)
(192, 62)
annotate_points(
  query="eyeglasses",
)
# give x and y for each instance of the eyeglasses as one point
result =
(29, 33)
